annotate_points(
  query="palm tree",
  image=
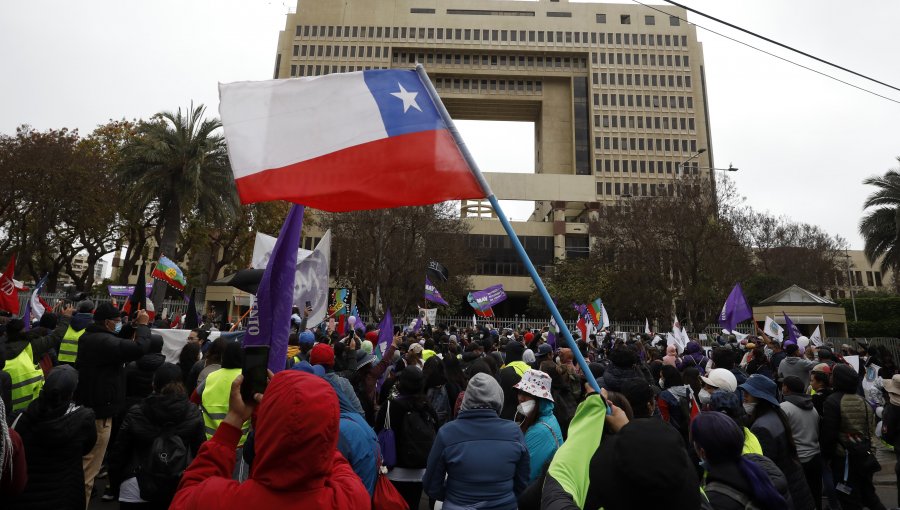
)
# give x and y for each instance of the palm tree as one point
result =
(880, 228)
(179, 161)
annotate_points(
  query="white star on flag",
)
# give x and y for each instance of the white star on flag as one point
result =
(408, 98)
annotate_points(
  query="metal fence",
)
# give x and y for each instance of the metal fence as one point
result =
(173, 306)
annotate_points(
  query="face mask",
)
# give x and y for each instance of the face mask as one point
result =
(118, 327)
(661, 383)
(525, 408)
(557, 360)
(768, 352)
(704, 396)
(749, 407)
(703, 464)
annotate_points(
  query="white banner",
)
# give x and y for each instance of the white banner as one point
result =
(175, 339)
(262, 251)
(816, 338)
(430, 316)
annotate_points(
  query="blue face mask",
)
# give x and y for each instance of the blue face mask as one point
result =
(118, 327)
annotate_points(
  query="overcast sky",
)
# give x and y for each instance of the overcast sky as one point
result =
(803, 142)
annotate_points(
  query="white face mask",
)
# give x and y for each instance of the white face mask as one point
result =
(749, 407)
(661, 385)
(525, 408)
(704, 396)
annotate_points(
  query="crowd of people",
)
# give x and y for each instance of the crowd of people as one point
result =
(466, 418)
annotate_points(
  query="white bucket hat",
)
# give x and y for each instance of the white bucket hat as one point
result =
(536, 383)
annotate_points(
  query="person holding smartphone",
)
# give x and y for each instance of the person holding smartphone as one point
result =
(289, 469)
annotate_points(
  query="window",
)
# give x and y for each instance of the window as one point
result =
(649, 20)
(625, 19)
(674, 21)
(559, 14)
(870, 279)
(601, 18)
(419, 10)
(878, 278)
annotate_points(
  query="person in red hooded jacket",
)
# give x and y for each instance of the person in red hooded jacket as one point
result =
(297, 464)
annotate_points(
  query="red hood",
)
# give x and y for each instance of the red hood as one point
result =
(296, 430)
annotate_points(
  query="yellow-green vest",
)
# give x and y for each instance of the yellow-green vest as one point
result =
(27, 378)
(214, 402)
(68, 348)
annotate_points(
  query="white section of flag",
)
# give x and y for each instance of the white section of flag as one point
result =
(773, 329)
(816, 338)
(647, 326)
(275, 123)
(37, 309)
(311, 282)
(262, 251)
(175, 339)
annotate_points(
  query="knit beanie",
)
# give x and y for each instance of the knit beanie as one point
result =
(322, 354)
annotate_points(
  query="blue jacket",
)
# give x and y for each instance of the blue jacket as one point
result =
(540, 441)
(484, 459)
(358, 443)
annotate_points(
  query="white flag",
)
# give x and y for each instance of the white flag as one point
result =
(647, 326)
(311, 282)
(604, 317)
(773, 329)
(816, 338)
(676, 340)
(262, 251)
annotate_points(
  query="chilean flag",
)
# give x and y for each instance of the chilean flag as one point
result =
(343, 142)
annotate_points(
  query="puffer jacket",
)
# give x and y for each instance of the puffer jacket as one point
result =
(139, 377)
(542, 439)
(145, 422)
(54, 447)
(296, 465)
(845, 417)
(614, 378)
(101, 367)
(477, 459)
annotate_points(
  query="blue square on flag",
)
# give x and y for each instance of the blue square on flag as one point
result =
(403, 102)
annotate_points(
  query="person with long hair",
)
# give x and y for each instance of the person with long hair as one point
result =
(733, 480)
(166, 411)
(534, 414)
(773, 430)
(189, 355)
(56, 434)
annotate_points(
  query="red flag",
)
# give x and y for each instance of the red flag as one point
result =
(582, 326)
(9, 293)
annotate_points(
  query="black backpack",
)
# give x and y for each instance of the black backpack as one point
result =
(160, 472)
(419, 431)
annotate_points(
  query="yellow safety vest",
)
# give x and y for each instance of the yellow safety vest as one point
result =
(27, 378)
(214, 402)
(68, 348)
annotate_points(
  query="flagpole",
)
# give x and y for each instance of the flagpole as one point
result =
(507, 226)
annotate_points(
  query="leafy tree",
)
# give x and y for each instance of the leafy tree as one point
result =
(880, 227)
(383, 253)
(178, 161)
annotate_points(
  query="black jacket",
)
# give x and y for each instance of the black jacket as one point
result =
(145, 422)
(731, 475)
(53, 450)
(509, 378)
(139, 377)
(40, 345)
(101, 367)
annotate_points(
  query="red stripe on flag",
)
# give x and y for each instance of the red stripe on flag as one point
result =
(413, 169)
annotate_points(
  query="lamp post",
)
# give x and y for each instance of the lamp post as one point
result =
(850, 282)
(695, 155)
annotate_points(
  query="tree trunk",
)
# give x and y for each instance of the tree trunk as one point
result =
(171, 229)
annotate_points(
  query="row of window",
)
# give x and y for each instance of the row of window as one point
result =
(657, 123)
(643, 59)
(873, 279)
(504, 61)
(339, 51)
(644, 101)
(649, 19)
(319, 70)
(648, 80)
(645, 144)
(642, 166)
(643, 189)
(495, 35)
(474, 86)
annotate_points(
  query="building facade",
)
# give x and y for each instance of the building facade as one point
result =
(616, 93)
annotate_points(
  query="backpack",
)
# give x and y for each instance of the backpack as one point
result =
(734, 494)
(440, 402)
(160, 472)
(419, 431)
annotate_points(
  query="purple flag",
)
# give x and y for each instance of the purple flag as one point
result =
(735, 310)
(432, 294)
(793, 332)
(267, 323)
(385, 337)
(484, 300)
(551, 334)
(418, 325)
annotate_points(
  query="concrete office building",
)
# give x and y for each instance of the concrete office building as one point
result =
(616, 93)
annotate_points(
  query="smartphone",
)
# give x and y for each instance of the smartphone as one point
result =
(309, 304)
(256, 361)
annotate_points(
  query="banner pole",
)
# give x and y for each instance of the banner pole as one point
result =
(507, 226)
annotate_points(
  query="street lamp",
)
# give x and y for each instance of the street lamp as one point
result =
(850, 282)
(696, 154)
(729, 169)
